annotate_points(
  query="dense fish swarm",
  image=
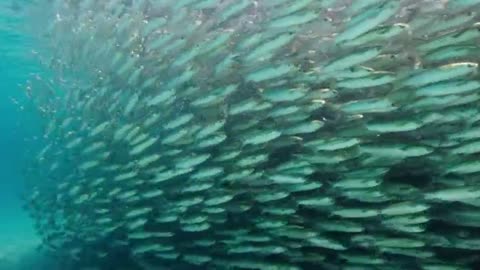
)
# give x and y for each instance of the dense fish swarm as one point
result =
(268, 134)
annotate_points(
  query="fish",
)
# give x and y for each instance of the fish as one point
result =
(362, 23)
(209, 134)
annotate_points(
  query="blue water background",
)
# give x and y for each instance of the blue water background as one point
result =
(18, 129)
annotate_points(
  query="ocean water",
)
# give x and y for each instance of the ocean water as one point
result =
(19, 126)
(17, 235)
(239, 134)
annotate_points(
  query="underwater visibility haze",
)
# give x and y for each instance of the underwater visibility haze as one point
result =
(240, 134)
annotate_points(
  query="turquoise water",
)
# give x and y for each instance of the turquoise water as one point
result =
(16, 230)
(17, 236)
(332, 138)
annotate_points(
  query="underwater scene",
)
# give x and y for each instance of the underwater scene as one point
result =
(240, 134)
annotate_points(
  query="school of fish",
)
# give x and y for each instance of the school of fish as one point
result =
(260, 134)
